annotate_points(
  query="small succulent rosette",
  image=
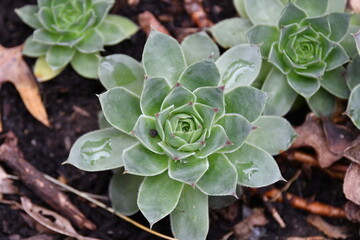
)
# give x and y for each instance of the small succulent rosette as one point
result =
(190, 130)
(301, 44)
(71, 31)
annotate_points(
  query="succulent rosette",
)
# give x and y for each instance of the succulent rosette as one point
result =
(71, 31)
(188, 131)
(301, 44)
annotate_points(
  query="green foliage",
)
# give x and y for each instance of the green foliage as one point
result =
(186, 130)
(73, 31)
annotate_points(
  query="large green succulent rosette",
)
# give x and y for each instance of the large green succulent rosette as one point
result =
(185, 133)
(301, 44)
(71, 31)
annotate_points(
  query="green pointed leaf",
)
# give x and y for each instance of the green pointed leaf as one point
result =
(207, 114)
(336, 58)
(313, 8)
(115, 29)
(305, 86)
(230, 32)
(153, 95)
(237, 129)
(43, 71)
(264, 11)
(121, 108)
(246, 101)
(277, 58)
(339, 23)
(70, 39)
(161, 118)
(34, 49)
(357, 41)
(102, 122)
(190, 218)
(178, 96)
(322, 103)
(211, 96)
(188, 171)
(173, 153)
(315, 70)
(163, 57)
(291, 14)
(101, 8)
(240, 8)
(281, 95)
(199, 46)
(45, 37)
(138, 160)
(217, 140)
(158, 196)
(273, 134)
(46, 18)
(58, 56)
(255, 167)
(92, 42)
(86, 65)
(353, 109)
(200, 74)
(123, 192)
(264, 36)
(336, 6)
(142, 131)
(28, 15)
(120, 70)
(239, 66)
(334, 82)
(221, 177)
(44, 3)
(353, 72)
(100, 150)
(319, 24)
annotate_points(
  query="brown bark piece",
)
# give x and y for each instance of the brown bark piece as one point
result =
(197, 13)
(48, 192)
(148, 22)
(353, 152)
(352, 183)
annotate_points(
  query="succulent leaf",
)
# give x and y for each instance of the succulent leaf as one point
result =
(86, 65)
(151, 103)
(322, 103)
(264, 36)
(305, 86)
(177, 97)
(291, 14)
(27, 15)
(188, 171)
(353, 110)
(313, 8)
(335, 83)
(59, 56)
(264, 11)
(353, 73)
(34, 49)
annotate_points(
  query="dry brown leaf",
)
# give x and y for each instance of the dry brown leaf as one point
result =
(328, 229)
(14, 69)
(308, 238)
(244, 229)
(352, 184)
(6, 185)
(353, 152)
(57, 223)
(352, 211)
(355, 5)
(311, 134)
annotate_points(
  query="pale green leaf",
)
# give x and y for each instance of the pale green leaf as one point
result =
(240, 8)
(178, 96)
(153, 95)
(334, 82)
(101, 8)
(58, 56)
(255, 167)
(313, 8)
(353, 108)
(100, 150)
(190, 218)
(46, 18)
(174, 153)
(322, 103)
(123, 192)
(189, 170)
(349, 43)
(34, 49)
(92, 42)
(353, 73)
(213, 97)
(264, 11)
(28, 15)
(339, 24)
(277, 59)
(86, 65)
(291, 14)
(158, 196)
(120, 70)
(264, 36)
(45, 37)
(102, 122)
(217, 140)
(305, 86)
(43, 71)
(163, 57)
(336, 6)
(357, 41)
(336, 58)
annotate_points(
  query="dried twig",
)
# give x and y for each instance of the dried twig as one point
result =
(275, 214)
(287, 185)
(147, 22)
(197, 13)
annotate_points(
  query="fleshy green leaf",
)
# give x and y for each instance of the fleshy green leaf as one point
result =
(319, 24)
(230, 32)
(264, 11)
(178, 96)
(188, 171)
(264, 36)
(44, 3)
(92, 42)
(291, 14)
(34, 49)
(336, 6)
(239, 66)
(313, 8)
(43, 71)
(281, 95)
(86, 65)
(190, 218)
(158, 196)
(240, 8)
(115, 29)
(276, 58)
(102, 122)
(163, 57)
(353, 109)
(211, 96)
(221, 177)
(138, 160)
(255, 167)
(349, 43)
(100, 150)
(336, 58)
(120, 70)
(217, 140)
(28, 15)
(339, 24)
(353, 72)
(357, 41)
(58, 56)
(173, 153)
(237, 129)
(45, 37)
(45, 16)
(142, 130)
(273, 134)
(246, 101)
(200, 74)
(199, 46)
(155, 90)
(322, 103)
(334, 82)
(303, 85)
(123, 192)
(101, 8)
(121, 108)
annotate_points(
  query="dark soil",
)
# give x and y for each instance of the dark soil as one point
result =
(47, 148)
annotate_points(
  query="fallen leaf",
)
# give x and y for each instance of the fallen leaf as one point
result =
(352, 184)
(352, 211)
(51, 220)
(355, 5)
(245, 228)
(311, 134)
(14, 69)
(328, 229)
(6, 185)
(353, 152)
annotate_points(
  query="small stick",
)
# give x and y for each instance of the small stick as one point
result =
(48, 192)
(148, 22)
(310, 206)
(287, 186)
(273, 211)
(197, 13)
